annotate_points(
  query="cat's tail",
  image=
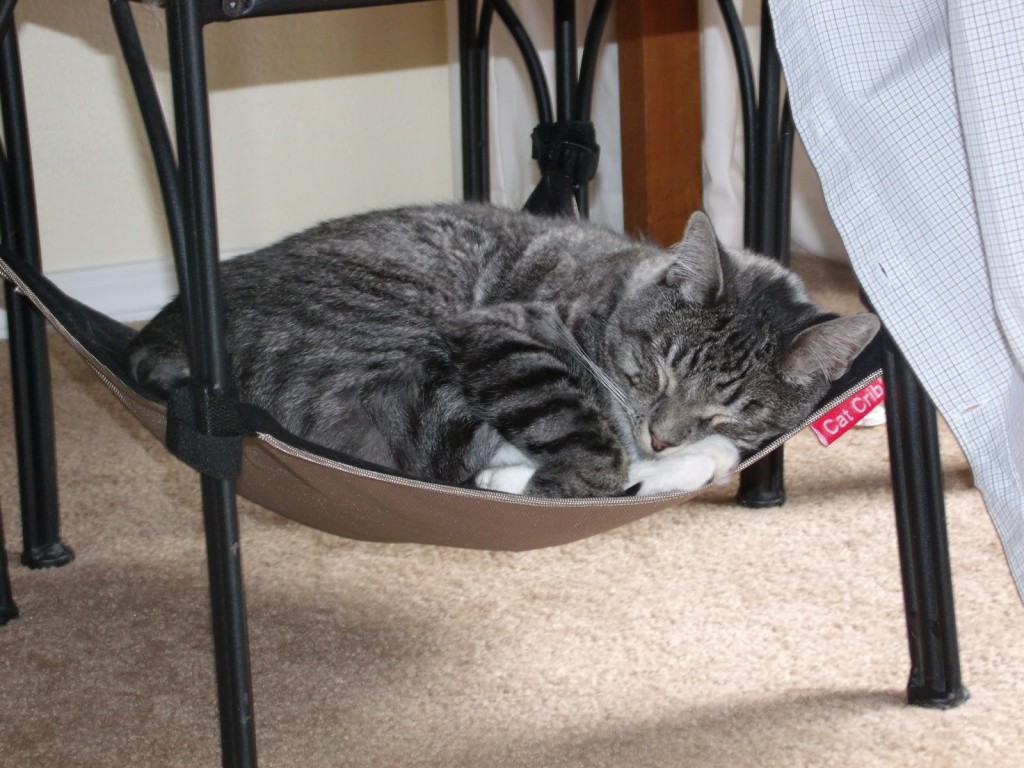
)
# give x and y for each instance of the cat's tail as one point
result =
(156, 356)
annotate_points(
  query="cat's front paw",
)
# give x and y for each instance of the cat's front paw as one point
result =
(711, 460)
(681, 472)
(508, 479)
(722, 452)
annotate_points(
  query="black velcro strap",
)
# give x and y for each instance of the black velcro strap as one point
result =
(567, 153)
(568, 147)
(205, 430)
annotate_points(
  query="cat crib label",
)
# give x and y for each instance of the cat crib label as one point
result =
(838, 421)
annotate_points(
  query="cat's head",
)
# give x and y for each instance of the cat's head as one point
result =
(710, 341)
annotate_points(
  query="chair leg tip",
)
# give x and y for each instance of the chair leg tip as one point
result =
(8, 613)
(52, 555)
(757, 498)
(920, 696)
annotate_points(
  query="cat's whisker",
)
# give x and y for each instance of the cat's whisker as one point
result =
(598, 373)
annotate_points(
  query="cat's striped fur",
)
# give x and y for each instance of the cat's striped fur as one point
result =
(427, 338)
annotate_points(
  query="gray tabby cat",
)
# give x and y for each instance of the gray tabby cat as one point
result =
(468, 344)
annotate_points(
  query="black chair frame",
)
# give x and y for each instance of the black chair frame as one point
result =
(186, 183)
(187, 187)
(935, 675)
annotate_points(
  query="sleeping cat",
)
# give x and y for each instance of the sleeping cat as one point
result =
(473, 345)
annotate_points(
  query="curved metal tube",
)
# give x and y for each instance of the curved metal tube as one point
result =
(542, 95)
(473, 147)
(588, 62)
(6, 16)
(481, 65)
(156, 132)
(565, 59)
(783, 184)
(748, 98)
(765, 159)
(486, 18)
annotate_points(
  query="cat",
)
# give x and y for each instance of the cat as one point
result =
(472, 345)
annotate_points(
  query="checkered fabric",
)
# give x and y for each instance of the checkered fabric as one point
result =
(913, 115)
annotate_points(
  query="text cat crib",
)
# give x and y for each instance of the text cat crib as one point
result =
(235, 447)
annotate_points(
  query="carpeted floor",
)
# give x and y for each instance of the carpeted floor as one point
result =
(705, 636)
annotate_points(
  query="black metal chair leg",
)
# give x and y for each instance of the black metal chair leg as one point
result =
(763, 484)
(211, 369)
(767, 145)
(921, 533)
(8, 609)
(913, 440)
(30, 369)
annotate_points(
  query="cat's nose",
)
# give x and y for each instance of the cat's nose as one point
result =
(658, 444)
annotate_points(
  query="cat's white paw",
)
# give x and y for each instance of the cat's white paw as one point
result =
(722, 451)
(711, 460)
(508, 455)
(509, 479)
(672, 474)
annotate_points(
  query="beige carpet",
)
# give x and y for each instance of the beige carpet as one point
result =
(706, 636)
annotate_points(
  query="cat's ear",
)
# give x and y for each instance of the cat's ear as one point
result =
(827, 350)
(696, 270)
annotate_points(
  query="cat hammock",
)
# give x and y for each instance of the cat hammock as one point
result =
(348, 497)
(309, 484)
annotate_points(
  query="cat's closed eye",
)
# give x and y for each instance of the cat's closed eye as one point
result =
(653, 376)
(717, 420)
(664, 379)
(636, 373)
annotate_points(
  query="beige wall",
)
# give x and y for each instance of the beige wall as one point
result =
(314, 115)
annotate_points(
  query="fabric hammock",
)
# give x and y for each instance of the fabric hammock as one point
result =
(352, 498)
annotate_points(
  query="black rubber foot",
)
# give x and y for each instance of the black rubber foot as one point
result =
(51, 556)
(762, 484)
(8, 612)
(922, 697)
(759, 499)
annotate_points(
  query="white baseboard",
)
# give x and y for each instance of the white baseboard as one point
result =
(125, 292)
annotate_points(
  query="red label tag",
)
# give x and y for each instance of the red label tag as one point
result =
(845, 416)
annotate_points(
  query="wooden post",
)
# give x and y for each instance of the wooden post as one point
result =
(659, 97)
